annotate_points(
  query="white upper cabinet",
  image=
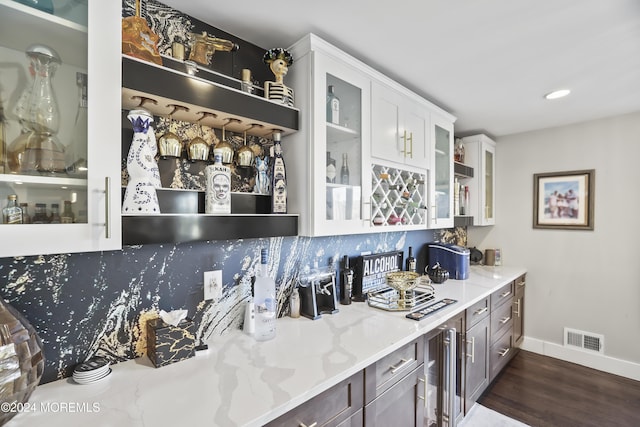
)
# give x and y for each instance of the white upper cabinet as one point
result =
(82, 126)
(441, 173)
(480, 153)
(399, 127)
(327, 162)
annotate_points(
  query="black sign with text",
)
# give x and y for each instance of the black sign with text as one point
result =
(371, 272)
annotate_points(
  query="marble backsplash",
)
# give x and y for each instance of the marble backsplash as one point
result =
(90, 304)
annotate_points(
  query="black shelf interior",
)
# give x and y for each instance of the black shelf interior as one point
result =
(461, 169)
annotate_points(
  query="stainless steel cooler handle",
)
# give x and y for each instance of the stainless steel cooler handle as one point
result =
(448, 415)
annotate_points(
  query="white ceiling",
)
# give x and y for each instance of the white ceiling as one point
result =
(488, 62)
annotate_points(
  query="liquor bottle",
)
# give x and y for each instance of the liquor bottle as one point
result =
(346, 282)
(333, 107)
(76, 152)
(411, 261)
(344, 171)
(40, 215)
(26, 218)
(12, 214)
(279, 178)
(217, 197)
(331, 169)
(67, 216)
(55, 214)
(265, 302)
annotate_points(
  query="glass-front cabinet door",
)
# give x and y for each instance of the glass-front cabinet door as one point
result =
(328, 159)
(441, 174)
(488, 181)
(59, 126)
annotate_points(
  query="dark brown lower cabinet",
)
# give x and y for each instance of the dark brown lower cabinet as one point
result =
(400, 405)
(337, 406)
(477, 363)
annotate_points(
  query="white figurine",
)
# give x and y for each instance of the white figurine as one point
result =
(279, 61)
(262, 180)
(144, 176)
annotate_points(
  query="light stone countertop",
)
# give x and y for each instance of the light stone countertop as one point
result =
(241, 382)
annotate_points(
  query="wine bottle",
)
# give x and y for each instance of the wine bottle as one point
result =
(279, 178)
(76, 151)
(411, 261)
(333, 107)
(265, 302)
(331, 169)
(344, 171)
(346, 282)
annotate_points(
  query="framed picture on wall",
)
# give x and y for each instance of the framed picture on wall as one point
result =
(564, 200)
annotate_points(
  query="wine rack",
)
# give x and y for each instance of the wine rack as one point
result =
(397, 197)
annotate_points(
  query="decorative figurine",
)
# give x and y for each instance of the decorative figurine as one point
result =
(262, 179)
(144, 176)
(138, 39)
(279, 61)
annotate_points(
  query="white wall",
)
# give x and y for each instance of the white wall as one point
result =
(587, 280)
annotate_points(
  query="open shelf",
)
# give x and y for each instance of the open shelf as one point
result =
(166, 86)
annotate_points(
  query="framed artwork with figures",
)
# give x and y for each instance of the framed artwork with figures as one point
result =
(564, 200)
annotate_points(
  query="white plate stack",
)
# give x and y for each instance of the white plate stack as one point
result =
(92, 370)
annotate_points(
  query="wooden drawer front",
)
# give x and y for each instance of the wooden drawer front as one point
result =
(502, 295)
(330, 408)
(392, 368)
(355, 420)
(400, 405)
(477, 312)
(501, 320)
(500, 353)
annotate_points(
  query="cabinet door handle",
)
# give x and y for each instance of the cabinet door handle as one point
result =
(107, 206)
(403, 363)
(473, 349)
(504, 352)
(518, 307)
(505, 320)
(434, 213)
(480, 310)
(363, 218)
(310, 425)
(410, 153)
(505, 294)
(423, 381)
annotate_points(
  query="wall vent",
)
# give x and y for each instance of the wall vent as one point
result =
(583, 340)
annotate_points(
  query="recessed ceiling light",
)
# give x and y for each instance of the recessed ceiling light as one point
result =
(557, 94)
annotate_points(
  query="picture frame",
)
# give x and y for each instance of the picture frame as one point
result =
(564, 200)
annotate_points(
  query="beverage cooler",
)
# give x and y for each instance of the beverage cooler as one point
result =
(443, 372)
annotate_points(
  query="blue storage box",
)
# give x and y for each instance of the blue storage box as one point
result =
(453, 258)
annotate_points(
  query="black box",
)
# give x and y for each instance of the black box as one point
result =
(168, 344)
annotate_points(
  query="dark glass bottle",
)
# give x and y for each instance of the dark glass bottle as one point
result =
(55, 214)
(40, 215)
(346, 282)
(279, 178)
(411, 261)
(331, 169)
(26, 218)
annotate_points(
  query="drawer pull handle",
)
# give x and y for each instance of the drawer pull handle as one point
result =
(310, 425)
(504, 352)
(473, 349)
(505, 294)
(402, 365)
(505, 320)
(480, 310)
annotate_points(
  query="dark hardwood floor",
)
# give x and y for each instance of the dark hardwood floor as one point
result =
(542, 391)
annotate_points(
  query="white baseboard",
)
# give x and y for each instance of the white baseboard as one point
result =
(600, 362)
